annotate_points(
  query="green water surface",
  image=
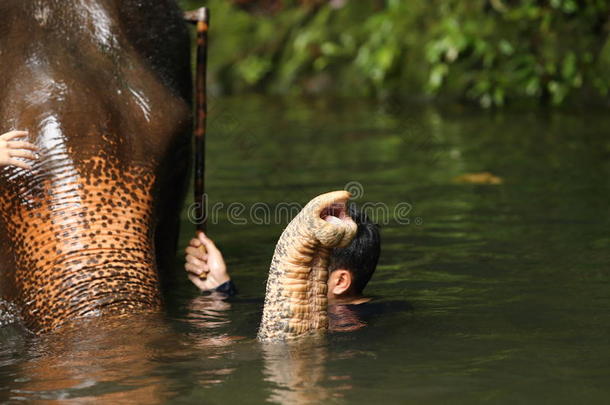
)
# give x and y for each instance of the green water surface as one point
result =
(485, 293)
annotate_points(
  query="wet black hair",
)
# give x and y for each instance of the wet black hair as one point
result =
(361, 256)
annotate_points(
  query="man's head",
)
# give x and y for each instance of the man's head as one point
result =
(351, 267)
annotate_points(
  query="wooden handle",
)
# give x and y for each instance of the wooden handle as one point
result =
(200, 17)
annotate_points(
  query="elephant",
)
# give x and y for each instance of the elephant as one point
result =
(104, 89)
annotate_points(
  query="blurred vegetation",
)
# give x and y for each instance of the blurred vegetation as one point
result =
(492, 52)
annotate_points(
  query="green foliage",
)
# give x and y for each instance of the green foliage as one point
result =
(488, 51)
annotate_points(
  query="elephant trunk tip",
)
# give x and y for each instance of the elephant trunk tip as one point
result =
(332, 226)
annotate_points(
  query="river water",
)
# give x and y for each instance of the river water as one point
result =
(484, 292)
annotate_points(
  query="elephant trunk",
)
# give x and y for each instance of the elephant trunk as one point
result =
(295, 301)
(81, 241)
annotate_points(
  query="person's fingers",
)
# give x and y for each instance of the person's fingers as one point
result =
(190, 250)
(28, 145)
(209, 244)
(193, 260)
(196, 252)
(195, 242)
(194, 269)
(203, 238)
(12, 135)
(19, 163)
(191, 268)
(22, 153)
(21, 145)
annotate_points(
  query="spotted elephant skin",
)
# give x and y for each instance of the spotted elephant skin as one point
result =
(103, 87)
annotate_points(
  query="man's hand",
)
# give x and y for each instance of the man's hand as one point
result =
(211, 264)
(11, 149)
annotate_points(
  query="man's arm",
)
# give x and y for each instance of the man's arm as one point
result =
(210, 264)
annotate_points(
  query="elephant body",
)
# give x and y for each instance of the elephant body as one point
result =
(104, 88)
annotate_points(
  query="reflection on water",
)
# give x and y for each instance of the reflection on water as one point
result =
(345, 318)
(120, 360)
(110, 361)
(297, 372)
(492, 292)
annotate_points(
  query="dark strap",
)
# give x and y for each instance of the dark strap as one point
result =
(228, 288)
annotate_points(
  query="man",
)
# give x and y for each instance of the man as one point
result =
(350, 268)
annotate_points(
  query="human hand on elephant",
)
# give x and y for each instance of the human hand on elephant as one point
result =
(210, 263)
(10, 148)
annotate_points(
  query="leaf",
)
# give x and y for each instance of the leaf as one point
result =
(486, 178)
